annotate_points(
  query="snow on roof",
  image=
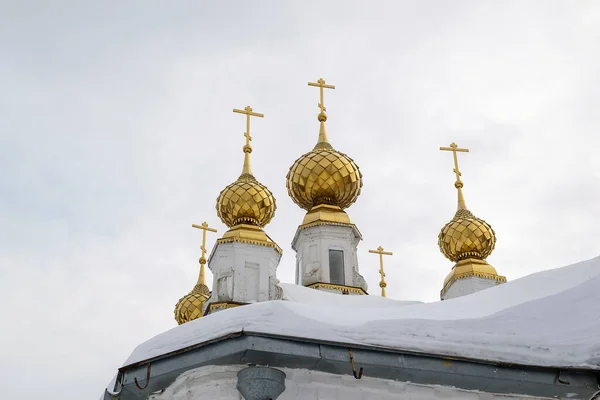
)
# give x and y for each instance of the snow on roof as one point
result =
(550, 318)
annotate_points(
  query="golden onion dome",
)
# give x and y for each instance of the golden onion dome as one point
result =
(189, 307)
(246, 201)
(324, 176)
(466, 236)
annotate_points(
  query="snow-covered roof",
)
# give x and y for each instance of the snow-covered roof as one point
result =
(551, 318)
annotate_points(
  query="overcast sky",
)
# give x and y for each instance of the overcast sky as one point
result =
(117, 133)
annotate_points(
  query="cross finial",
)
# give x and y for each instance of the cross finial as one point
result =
(321, 85)
(323, 142)
(247, 148)
(248, 111)
(458, 184)
(381, 253)
(204, 227)
(454, 148)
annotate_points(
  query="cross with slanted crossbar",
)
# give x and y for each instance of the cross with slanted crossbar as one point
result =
(248, 111)
(204, 228)
(454, 148)
(321, 84)
(381, 253)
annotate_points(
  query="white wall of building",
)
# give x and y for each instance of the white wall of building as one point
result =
(312, 247)
(244, 273)
(219, 382)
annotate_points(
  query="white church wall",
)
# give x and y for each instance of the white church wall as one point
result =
(465, 286)
(219, 382)
(243, 272)
(312, 247)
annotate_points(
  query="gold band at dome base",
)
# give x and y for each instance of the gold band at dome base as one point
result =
(249, 234)
(326, 213)
(471, 267)
(342, 288)
(222, 305)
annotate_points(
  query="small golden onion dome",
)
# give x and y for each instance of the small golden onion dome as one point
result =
(189, 307)
(324, 176)
(466, 236)
(246, 201)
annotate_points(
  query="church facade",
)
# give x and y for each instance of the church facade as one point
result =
(270, 362)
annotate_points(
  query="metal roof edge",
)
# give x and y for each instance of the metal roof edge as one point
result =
(138, 380)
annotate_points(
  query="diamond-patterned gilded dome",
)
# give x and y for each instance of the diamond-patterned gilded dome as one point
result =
(324, 176)
(189, 307)
(246, 201)
(466, 236)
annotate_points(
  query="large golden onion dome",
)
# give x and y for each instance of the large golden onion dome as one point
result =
(189, 307)
(466, 236)
(324, 176)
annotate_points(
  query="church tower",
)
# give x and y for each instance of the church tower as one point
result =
(467, 241)
(244, 261)
(324, 182)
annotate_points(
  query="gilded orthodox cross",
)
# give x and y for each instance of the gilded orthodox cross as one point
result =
(381, 253)
(454, 148)
(321, 85)
(248, 111)
(458, 184)
(246, 169)
(204, 228)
